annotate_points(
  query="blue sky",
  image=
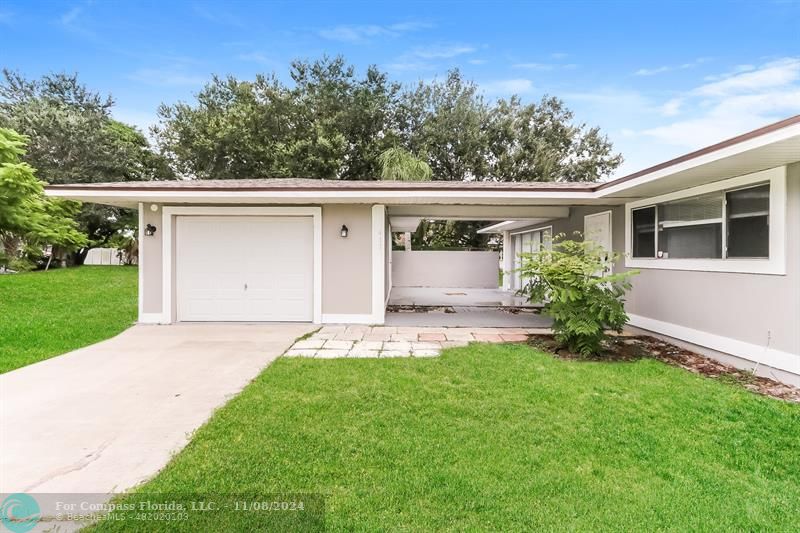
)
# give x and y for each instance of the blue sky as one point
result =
(659, 78)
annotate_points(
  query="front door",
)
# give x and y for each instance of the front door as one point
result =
(597, 228)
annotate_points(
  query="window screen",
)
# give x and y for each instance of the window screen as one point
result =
(691, 227)
(644, 232)
(748, 222)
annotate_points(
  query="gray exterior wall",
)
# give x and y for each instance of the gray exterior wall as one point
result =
(759, 309)
(346, 263)
(150, 252)
(439, 268)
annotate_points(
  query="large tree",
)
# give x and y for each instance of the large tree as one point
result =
(331, 123)
(29, 220)
(73, 139)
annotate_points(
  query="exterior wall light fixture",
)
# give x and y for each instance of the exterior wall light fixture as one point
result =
(150, 230)
(343, 231)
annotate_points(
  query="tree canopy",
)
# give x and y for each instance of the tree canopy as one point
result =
(29, 219)
(72, 138)
(329, 122)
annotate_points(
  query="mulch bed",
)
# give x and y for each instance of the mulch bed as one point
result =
(639, 347)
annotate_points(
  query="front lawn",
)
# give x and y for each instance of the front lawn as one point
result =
(43, 314)
(498, 437)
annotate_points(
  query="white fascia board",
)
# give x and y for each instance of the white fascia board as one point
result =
(496, 228)
(300, 196)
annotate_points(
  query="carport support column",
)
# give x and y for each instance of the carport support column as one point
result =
(508, 260)
(378, 263)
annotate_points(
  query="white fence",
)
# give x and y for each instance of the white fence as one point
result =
(103, 256)
(423, 268)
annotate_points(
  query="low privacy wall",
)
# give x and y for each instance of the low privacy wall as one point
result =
(469, 270)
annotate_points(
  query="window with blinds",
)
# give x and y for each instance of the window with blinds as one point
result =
(691, 227)
(723, 224)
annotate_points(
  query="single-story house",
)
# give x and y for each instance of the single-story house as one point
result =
(715, 233)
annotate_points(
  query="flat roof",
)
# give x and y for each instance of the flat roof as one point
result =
(308, 184)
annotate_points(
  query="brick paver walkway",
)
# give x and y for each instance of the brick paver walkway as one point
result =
(383, 341)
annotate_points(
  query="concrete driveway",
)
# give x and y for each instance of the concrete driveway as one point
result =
(109, 416)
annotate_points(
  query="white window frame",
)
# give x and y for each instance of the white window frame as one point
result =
(516, 279)
(542, 228)
(775, 264)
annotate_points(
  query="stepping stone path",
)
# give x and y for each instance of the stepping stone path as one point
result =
(332, 342)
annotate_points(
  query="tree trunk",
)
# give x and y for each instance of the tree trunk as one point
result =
(79, 256)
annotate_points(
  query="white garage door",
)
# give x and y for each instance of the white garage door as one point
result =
(244, 268)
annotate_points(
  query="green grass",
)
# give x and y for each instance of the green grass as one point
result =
(43, 314)
(497, 437)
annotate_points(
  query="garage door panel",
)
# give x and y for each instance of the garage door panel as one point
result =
(244, 268)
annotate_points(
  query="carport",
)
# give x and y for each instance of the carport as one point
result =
(461, 287)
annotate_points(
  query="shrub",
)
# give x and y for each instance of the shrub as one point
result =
(578, 290)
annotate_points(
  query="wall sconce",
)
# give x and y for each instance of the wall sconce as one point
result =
(343, 231)
(150, 230)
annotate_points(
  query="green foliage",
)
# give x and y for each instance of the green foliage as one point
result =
(28, 219)
(584, 299)
(448, 234)
(73, 139)
(399, 164)
(331, 123)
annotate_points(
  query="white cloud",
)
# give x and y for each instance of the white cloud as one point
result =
(507, 87)
(670, 68)
(672, 107)
(774, 74)
(477, 61)
(362, 33)
(734, 104)
(735, 70)
(443, 51)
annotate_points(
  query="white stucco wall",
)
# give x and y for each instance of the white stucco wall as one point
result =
(429, 268)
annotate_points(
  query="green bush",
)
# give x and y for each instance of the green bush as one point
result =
(578, 290)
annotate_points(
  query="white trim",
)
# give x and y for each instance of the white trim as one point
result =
(745, 350)
(151, 318)
(508, 261)
(775, 265)
(540, 228)
(378, 263)
(140, 262)
(494, 227)
(415, 197)
(169, 212)
(348, 318)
